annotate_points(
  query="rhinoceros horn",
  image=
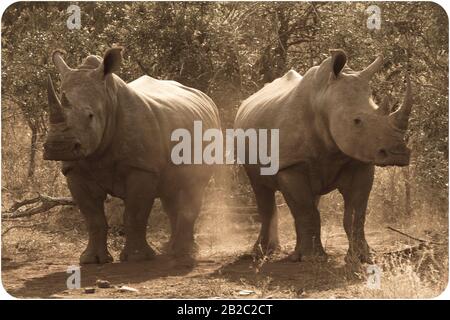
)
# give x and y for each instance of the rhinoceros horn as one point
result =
(56, 112)
(59, 62)
(400, 117)
(383, 108)
(368, 72)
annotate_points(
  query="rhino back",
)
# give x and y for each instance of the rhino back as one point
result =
(282, 104)
(173, 106)
(265, 103)
(177, 105)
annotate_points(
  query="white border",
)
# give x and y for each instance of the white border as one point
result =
(4, 295)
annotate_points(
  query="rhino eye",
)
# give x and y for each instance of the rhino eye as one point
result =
(357, 121)
(91, 116)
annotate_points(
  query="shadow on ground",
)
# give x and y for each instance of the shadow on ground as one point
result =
(280, 274)
(117, 274)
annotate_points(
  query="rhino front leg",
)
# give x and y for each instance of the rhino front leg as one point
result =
(140, 195)
(295, 187)
(90, 200)
(356, 195)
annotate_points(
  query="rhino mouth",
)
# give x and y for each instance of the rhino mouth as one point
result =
(393, 158)
(63, 151)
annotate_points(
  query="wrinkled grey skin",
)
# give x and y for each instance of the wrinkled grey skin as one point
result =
(332, 134)
(114, 138)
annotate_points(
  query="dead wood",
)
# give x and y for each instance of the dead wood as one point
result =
(415, 238)
(41, 203)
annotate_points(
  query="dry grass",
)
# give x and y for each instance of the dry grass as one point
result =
(224, 267)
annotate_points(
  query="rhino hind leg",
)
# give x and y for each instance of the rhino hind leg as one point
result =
(170, 206)
(268, 240)
(294, 186)
(183, 210)
(90, 200)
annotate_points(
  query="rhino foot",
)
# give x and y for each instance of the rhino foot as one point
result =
(358, 257)
(140, 254)
(95, 257)
(316, 256)
(359, 252)
(264, 250)
(180, 250)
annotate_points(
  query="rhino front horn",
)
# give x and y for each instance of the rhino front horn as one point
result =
(56, 112)
(368, 72)
(400, 117)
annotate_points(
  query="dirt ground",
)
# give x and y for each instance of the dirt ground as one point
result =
(35, 262)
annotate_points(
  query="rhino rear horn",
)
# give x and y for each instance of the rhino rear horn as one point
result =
(56, 113)
(384, 108)
(400, 117)
(368, 72)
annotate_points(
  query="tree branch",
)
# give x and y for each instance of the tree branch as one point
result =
(43, 202)
(414, 238)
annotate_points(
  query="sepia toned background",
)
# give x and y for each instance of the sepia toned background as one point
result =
(229, 51)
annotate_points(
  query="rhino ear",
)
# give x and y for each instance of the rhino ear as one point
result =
(112, 61)
(338, 60)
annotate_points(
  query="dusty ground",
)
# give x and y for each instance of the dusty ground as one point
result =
(35, 261)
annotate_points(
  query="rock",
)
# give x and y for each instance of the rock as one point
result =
(103, 284)
(246, 292)
(127, 289)
(89, 290)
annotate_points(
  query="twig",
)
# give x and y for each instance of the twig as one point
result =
(414, 238)
(46, 203)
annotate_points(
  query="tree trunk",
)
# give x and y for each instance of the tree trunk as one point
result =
(32, 163)
(407, 179)
(280, 53)
(392, 192)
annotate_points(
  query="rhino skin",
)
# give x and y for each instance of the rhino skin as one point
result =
(115, 138)
(332, 134)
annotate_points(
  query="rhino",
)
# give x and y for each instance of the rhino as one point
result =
(114, 138)
(332, 135)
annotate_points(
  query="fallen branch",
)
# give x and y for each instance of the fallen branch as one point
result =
(409, 253)
(414, 238)
(44, 203)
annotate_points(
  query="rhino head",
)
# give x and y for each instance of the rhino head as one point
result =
(79, 115)
(360, 128)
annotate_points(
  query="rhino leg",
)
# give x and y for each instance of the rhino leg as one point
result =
(140, 195)
(295, 187)
(356, 194)
(171, 209)
(268, 240)
(187, 206)
(90, 200)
